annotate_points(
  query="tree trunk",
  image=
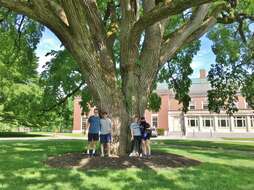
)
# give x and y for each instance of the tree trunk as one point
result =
(120, 121)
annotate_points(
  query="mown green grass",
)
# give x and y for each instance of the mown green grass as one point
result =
(239, 139)
(226, 166)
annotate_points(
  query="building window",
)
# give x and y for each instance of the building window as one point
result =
(192, 106)
(240, 121)
(155, 121)
(205, 104)
(252, 121)
(223, 122)
(193, 122)
(207, 122)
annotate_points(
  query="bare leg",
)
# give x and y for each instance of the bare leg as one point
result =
(88, 147)
(102, 150)
(148, 147)
(108, 149)
(94, 146)
(144, 147)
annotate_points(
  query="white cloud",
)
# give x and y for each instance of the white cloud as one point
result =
(47, 43)
(42, 61)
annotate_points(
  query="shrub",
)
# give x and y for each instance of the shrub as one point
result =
(160, 131)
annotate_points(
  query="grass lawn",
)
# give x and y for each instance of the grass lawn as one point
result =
(239, 139)
(60, 134)
(226, 166)
(72, 134)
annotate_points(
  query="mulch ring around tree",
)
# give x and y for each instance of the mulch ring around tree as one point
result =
(156, 161)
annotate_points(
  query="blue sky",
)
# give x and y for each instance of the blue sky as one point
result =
(202, 60)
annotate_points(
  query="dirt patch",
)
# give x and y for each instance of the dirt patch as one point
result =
(157, 160)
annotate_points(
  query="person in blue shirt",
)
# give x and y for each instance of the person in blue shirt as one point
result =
(93, 132)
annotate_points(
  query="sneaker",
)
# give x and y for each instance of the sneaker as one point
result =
(131, 154)
(136, 154)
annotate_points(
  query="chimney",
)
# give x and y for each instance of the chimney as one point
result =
(202, 73)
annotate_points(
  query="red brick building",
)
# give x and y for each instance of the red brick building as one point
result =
(198, 120)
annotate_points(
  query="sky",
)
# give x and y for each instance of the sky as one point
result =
(49, 41)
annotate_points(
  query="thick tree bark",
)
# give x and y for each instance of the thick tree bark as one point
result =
(144, 48)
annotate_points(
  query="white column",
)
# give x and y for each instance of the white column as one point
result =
(215, 120)
(81, 122)
(200, 123)
(186, 121)
(248, 126)
(232, 125)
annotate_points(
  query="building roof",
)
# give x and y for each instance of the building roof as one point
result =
(198, 87)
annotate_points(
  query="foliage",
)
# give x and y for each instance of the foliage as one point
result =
(24, 99)
(177, 71)
(160, 131)
(19, 92)
(154, 102)
(233, 72)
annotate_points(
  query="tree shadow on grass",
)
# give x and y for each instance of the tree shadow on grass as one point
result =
(20, 134)
(207, 176)
(22, 170)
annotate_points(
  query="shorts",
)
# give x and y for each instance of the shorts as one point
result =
(93, 137)
(105, 138)
(146, 136)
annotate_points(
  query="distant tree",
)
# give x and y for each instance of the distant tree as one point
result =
(234, 69)
(24, 99)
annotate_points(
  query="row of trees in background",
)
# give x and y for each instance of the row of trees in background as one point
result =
(26, 98)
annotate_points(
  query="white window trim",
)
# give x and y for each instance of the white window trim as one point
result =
(193, 103)
(196, 121)
(252, 121)
(155, 115)
(244, 120)
(207, 118)
(227, 122)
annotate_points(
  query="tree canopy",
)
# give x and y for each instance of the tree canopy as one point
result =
(24, 97)
(122, 47)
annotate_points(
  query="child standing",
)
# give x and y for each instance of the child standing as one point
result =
(146, 134)
(135, 137)
(93, 132)
(105, 133)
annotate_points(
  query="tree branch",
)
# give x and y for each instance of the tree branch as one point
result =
(163, 11)
(63, 100)
(177, 39)
(40, 11)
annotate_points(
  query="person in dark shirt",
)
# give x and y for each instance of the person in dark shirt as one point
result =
(145, 135)
(93, 132)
